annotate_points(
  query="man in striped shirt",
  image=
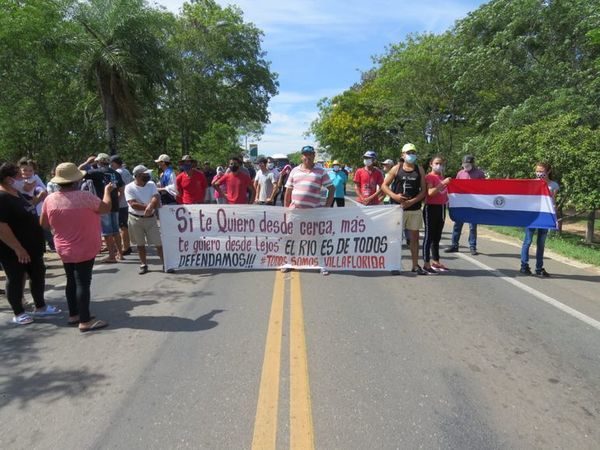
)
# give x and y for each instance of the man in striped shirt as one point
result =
(303, 187)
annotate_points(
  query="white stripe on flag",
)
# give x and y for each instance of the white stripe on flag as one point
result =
(534, 203)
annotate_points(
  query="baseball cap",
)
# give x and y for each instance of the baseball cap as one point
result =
(370, 154)
(116, 159)
(140, 169)
(468, 159)
(102, 157)
(187, 158)
(163, 158)
(336, 163)
(409, 148)
(388, 162)
(247, 159)
(307, 149)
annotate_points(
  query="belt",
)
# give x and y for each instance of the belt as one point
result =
(139, 217)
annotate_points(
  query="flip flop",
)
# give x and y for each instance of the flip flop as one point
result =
(97, 325)
(76, 322)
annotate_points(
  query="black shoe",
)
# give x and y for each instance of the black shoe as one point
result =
(452, 249)
(395, 272)
(419, 271)
(525, 270)
(542, 273)
(430, 271)
(127, 252)
(170, 270)
(474, 251)
(143, 269)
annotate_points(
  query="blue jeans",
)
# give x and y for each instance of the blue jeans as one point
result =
(539, 252)
(472, 234)
(110, 223)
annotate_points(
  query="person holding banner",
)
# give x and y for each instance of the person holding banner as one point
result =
(339, 179)
(468, 172)
(240, 190)
(143, 199)
(409, 190)
(265, 183)
(191, 183)
(303, 187)
(368, 180)
(542, 172)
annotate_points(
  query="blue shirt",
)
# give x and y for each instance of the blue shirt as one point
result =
(339, 180)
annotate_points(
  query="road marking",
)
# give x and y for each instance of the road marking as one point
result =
(301, 424)
(543, 297)
(265, 423)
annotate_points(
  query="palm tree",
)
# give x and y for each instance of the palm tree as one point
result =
(123, 57)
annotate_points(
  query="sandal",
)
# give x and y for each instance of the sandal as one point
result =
(48, 311)
(76, 321)
(96, 325)
(108, 260)
(22, 319)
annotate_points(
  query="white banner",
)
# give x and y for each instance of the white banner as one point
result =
(263, 237)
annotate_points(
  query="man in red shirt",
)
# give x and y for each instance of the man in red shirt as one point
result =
(240, 189)
(191, 183)
(368, 181)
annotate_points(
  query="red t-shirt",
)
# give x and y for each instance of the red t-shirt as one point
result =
(191, 188)
(440, 198)
(237, 187)
(368, 182)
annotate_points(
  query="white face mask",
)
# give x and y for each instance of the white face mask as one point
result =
(270, 166)
(438, 168)
(319, 165)
(336, 168)
(467, 166)
(368, 162)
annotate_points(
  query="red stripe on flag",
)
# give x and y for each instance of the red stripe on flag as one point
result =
(499, 187)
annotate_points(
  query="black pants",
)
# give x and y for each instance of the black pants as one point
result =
(15, 273)
(340, 201)
(79, 280)
(433, 218)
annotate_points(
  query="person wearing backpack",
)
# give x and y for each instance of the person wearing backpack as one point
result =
(100, 177)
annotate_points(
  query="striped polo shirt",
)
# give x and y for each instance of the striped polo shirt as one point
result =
(306, 186)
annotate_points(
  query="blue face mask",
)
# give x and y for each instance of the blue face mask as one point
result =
(185, 167)
(411, 158)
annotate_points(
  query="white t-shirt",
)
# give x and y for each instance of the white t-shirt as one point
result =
(127, 178)
(39, 186)
(141, 194)
(266, 181)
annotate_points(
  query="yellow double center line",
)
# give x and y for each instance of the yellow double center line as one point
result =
(301, 425)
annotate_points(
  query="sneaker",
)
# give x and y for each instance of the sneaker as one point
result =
(419, 271)
(143, 269)
(525, 270)
(439, 267)
(474, 251)
(452, 249)
(127, 252)
(170, 270)
(324, 272)
(542, 273)
(395, 272)
(22, 319)
(49, 310)
(430, 270)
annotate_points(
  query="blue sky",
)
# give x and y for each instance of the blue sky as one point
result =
(319, 48)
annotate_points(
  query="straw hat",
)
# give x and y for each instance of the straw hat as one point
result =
(66, 173)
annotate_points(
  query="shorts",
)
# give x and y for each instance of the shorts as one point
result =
(144, 231)
(123, 217)
(110, 223)
(412, 220)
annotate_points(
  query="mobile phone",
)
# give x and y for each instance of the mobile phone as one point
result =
(113, 179)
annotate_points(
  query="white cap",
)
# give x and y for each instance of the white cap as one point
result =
(163, 158)
(140, 169)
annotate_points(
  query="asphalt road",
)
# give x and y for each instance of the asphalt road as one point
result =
(477, 358)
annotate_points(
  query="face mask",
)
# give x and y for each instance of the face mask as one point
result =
(368, 162)
(438, 168)
(270, 166)
(541, 175)
(234, 167)
(319, 165)
(411, 158)
(336, 168)
(467, 166)
(185, 167)
(145, 178)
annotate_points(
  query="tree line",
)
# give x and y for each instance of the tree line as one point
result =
(82, 77)
(514, 82)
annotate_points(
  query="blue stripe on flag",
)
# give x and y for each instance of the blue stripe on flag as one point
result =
(528, 219)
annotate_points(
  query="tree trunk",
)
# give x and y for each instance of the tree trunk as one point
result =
(589, 232)
(109, 108)
(559, 216)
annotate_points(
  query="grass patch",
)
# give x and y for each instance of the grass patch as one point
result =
(567, 244)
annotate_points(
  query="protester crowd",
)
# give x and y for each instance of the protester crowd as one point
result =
(101, 199)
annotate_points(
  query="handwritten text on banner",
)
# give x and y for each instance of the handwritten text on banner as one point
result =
(259, 237)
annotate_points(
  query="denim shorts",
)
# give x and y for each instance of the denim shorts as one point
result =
(110, 223)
